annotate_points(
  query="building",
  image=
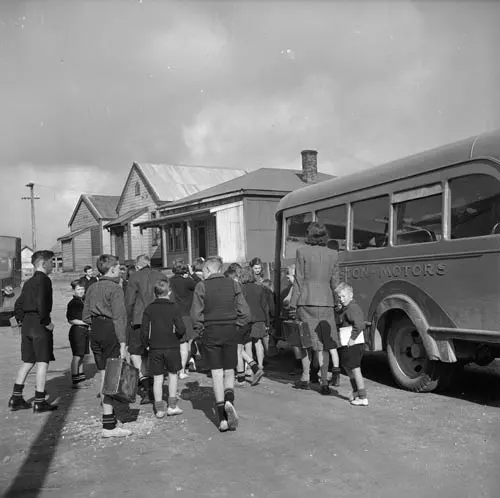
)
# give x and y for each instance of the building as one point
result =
(58, 262)
(87, 237)
(147, 187)
(26, 266)
(235, 219)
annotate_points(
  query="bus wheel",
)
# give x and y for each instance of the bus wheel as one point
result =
(410, 366)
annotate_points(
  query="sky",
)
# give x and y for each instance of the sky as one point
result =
(89, 87)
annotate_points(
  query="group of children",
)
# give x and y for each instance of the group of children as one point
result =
(228, 314)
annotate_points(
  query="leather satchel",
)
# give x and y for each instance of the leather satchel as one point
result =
(297, 334)
(120, 380)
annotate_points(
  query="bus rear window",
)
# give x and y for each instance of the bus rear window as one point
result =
(419, 220)
(475, 206)
(296, 231)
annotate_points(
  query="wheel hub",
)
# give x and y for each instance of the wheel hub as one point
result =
(416, 351)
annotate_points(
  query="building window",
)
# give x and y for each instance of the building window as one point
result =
(95, 241)
(419, 220)
(475, 206)
(335, 221)
(177, 237)
(296, 231)
(370, 223)
(137, 189)
(155, 232)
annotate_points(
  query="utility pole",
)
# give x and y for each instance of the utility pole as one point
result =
(33, 223)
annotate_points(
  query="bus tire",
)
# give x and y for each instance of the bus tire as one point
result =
(410, 366)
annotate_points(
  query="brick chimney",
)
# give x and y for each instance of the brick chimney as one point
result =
(309, 166)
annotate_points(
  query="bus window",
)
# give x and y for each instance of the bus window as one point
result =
(296, 231)
(475, 206)
(419, 220)
(335, 220)
(370, 223)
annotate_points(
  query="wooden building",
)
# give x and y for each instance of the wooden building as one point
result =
(147, 187)
(87, 237)
(26, 266)
(235, 219)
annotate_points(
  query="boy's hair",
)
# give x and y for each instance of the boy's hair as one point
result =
(39, 256)
(105, 262)
(247, 276)
(179, 267)
(142, 260)
(162, 288)
(87, 267)
(76, 283)
(198, 264)
(213, 264)
(268, 284)
(255, 261)
(233, 270)
(344, 287)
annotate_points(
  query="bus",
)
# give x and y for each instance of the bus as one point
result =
(419, 241)
(10, 275)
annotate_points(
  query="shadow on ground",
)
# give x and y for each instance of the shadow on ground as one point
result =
(30, 478)
(201, 398)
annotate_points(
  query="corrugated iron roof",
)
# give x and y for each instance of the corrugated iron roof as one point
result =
(174, 182)
(263, 179)
(126, 217)
(105, 205)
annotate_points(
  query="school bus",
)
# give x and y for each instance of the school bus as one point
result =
(419, 241)
(10, 275)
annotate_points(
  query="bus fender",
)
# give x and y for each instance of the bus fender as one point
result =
(441, 350)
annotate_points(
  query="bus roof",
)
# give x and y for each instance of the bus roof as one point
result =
(485, 145)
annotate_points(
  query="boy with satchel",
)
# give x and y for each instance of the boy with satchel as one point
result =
(104, 310)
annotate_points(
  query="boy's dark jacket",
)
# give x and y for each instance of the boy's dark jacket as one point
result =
(162, 325)
(219, 300)
(257, 300)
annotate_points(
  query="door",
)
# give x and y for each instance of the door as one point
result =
(120, 244)
(202, 242)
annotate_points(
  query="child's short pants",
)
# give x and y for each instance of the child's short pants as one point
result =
(37, 343)
(161, 360)
(350, 357)
(79, 340)
(220, 343)
(103, 341)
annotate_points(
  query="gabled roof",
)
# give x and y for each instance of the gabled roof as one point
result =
(26, 247)
(102, 207)
(126, 217)
(170, 182)
(272, 180)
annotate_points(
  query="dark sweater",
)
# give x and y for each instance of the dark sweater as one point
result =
(257, 300)
(74, 311)
(219, 300)
(35, 298)
(158, 321)
(352, 316)
(182, 290)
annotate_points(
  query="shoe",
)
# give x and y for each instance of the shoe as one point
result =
(360, 402)
(241, 383)
(146, 398)
(183, 375)
(223, 426)
(43, 406)
(325, 390)
(302, 384)
(232, 416)
(174, 411)
(353, 396)
(257, 376)
(18, 403)
(335, 382)
(248, 372)
(192, 366)
(116, 432)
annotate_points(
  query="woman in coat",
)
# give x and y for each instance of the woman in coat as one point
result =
(316, 276)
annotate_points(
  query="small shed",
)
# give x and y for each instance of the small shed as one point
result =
(235, 219)
(26, 266)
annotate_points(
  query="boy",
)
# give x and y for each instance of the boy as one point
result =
(88, 277)
(78, 333)
(104, 311)
(351, 315)
(163, 344)
(33, 308)
(218, 309)
(234, 271)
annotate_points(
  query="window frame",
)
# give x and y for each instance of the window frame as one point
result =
(388, 197)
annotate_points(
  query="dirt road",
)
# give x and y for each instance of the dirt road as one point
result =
(290, 443)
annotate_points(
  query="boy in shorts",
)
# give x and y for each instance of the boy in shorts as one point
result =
(78, 333)
(104, 310)
(33, 308)
(351, 315)
(218, 309)
(161, 331)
